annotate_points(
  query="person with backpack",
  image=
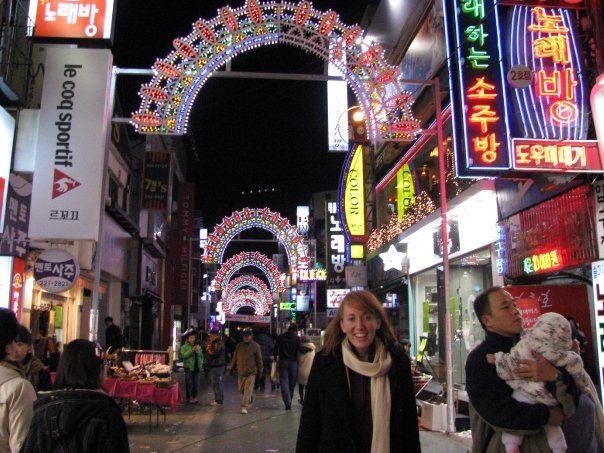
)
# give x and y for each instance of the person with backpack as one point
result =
(78, 416)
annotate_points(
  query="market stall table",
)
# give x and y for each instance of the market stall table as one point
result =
(147, 393)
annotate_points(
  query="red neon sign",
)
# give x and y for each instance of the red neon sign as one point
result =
(555, 155)
(85, 19)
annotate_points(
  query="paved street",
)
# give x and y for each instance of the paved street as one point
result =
(222, 429)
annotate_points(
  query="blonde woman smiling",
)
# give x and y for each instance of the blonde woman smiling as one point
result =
(360, 395)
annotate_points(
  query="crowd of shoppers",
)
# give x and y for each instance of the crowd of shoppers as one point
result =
(527, 393)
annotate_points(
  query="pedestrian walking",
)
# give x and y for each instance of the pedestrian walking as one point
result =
(78, 416)
(247, 361)
(215, 364)
(17, 395)
(360, 395)
(305, 360)
(266, 347)
(192, 357)
(286, 352)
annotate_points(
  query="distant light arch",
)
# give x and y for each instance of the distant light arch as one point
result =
(296, 247)
(263, 300)
(255, 259)
(247, 298)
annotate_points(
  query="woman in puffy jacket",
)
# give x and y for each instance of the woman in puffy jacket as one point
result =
(79, 416)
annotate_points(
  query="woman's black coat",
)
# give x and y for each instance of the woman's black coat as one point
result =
(326, 421)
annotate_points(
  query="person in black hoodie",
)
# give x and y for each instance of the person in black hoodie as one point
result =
(78, 416)
(286, 351)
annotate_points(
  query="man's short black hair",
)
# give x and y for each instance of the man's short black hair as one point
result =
(8, 329)
(481, 304)
(108, 319)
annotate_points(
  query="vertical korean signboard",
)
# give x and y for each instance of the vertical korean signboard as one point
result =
(597, 274)
(335, 246)
(13, 241)
(68, 171)
(479, 97)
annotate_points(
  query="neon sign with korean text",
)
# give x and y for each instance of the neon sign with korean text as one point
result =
(542, 262)
(555, 155)
(74, 19)
(554, 107)
(480, 99)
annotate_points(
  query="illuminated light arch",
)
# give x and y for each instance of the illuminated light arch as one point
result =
(244, 281)
(255, 259)
(166, 101)
(247, 298)
(295, 245)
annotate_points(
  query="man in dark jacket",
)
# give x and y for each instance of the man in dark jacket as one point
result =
(114, 340)
(266, 347)
(492, 408)
(286, 351)
(215, 363)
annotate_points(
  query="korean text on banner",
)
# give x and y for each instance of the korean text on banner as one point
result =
(71, 144)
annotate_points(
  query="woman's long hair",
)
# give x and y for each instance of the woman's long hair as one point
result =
(79, 367)
(361, 300)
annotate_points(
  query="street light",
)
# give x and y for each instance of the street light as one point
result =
(355, 128)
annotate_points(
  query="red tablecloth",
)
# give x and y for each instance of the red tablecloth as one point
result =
(145, 392)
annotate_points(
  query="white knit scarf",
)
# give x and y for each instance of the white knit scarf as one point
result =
(380, 391)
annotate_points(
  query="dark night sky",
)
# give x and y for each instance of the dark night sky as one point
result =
(251, 135)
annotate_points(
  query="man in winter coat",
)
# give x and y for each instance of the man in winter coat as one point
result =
(17, 395)
(247, 361)
(492, 408)
(286, 351)
(215, 363)
(266, 347)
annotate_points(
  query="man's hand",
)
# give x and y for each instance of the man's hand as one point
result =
(556, 416)
(538, 369)
(491, 359)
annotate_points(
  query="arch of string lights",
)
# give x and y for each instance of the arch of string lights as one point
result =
(247, 298)
(243, 282)
(167, 99)
(255, 259)
(294, 244)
